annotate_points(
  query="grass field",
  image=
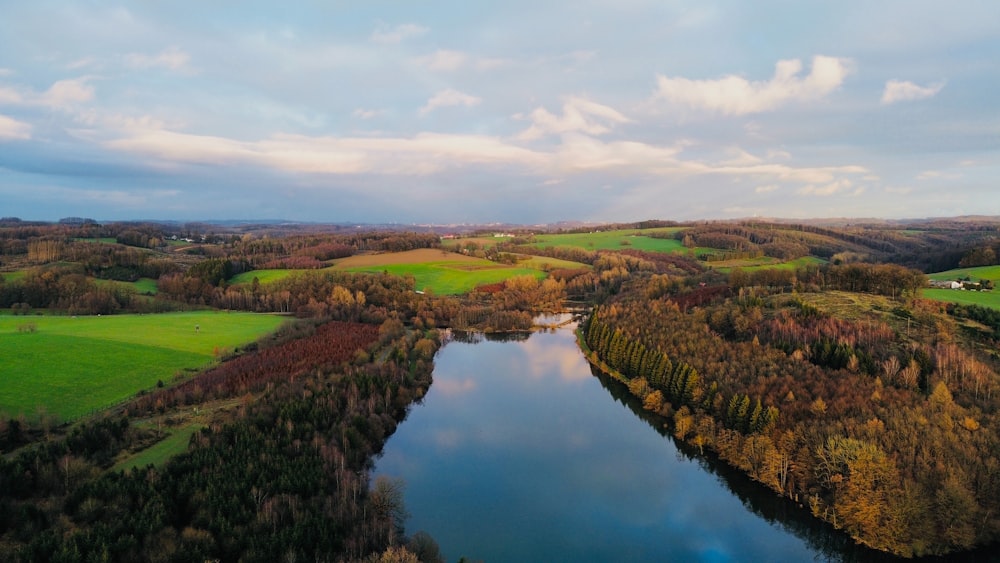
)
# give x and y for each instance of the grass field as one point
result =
(263, 276)
(546, 264)
(613, 240)
(142, 286)
(68, 366)
(14, 276)
(443, 272)
(766, 263)
(176, 443)
(991, 273)
(989, 299)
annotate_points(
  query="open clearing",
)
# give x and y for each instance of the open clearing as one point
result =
(614, 240)
(766, 263)
(264, 277)
(991, 273)
(989, 299)
(440, 271)
(69, 367)
(444, 273)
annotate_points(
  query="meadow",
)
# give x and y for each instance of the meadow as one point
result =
(444, 273)
(766, 263)
(70, 366)
(440, 271)
(264, 277)
(989, 299)
(613, 240)
(991, 273)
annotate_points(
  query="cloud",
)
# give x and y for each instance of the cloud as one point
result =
(905, 91)
(6, 72)
(391, 35)
(63, 94)
(171, 58)
(578, 115)
(444, 60)
(735, 95)
(765, 189)
(66, 93)
(447, 60)
(447, 98)
(13, 129)
(422, 154)
(835, 187)
(367, 113)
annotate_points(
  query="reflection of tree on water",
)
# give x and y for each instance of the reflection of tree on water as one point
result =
(475, 337)
(831, 544)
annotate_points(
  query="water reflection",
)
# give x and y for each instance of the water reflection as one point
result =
(517, 454)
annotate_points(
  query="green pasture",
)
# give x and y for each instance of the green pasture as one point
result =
(103, 240)
(989, 299)
(613, 240)
(547, 264)
(451, 278)
(71, 366)
(157, 454)
(766, 263)
(263, 276)
(14, 276)
(991, 273)
(142, 286)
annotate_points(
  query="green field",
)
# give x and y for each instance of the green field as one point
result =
(176, 443)
(142, 286)
(613, 240)
(766, 263)
(451, 278)
(102, 240)
(70, 366)
(991, 273)
(546, 264)
(989, 299)
(14, 276)
(263, 276)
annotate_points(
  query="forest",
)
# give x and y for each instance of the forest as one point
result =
(832, 382)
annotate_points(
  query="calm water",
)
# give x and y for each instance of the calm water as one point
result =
(520, 453)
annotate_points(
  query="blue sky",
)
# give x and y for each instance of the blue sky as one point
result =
(514, 111)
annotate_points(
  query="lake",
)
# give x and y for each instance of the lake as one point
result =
(520, 452)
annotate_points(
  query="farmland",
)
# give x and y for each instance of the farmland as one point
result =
(442, 272)
(989, 299)
(982, 272)
(68, 367)
(613, 240)
(263, 276)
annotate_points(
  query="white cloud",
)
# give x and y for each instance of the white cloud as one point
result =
(6, 72)
(735, 95)
(66, 93)
(579, 115)
(364, 113)
(904, 91)
(63, 94)
(838, 186)
(10, 96)
(766, 189)
(447, 98)
(898, 190)
(13, 129)
(444, 60)
(397, 34)
(171, 58)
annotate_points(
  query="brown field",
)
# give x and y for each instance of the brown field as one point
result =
(418, 256)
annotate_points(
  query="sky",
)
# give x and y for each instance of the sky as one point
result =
(473, 112)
